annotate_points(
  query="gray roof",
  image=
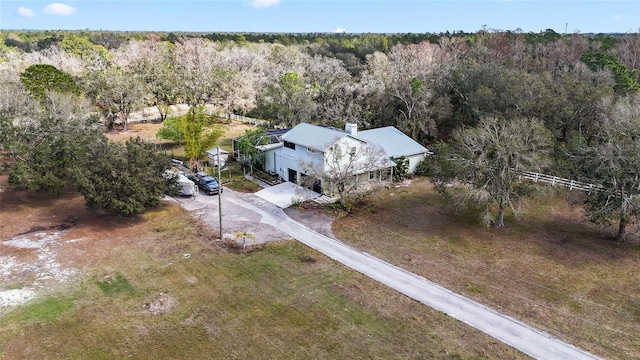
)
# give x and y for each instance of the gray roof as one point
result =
(314, 136)
(214, 151)
(393, 141)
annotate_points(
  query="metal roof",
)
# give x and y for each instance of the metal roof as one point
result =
(268, 146)
(314, 136)
(393, 141)
(214, 151)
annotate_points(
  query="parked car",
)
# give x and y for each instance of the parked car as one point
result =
(210, 185)
(191, 177)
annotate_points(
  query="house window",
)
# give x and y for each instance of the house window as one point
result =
(373, 175)
(352, 151)
(289, 145)
(311, 150)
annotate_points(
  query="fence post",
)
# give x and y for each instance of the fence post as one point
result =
(553, 181)
(571, 185)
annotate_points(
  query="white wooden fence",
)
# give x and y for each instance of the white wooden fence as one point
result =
(151, 114)
(555, 180)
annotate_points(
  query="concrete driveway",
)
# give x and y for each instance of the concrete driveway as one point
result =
(248, 208)
(286, 194)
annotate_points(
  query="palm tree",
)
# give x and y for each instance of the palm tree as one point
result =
(244, 235)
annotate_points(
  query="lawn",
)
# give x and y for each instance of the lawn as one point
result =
(158, 286)
(552, 269)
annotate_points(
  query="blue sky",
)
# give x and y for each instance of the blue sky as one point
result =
(353, 16)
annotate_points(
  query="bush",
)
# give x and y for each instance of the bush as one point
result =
(425, 167)
(124, 178)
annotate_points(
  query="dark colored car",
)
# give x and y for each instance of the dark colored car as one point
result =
(191, 177)
(210, 185)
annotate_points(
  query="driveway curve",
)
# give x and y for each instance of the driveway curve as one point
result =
(535, 343)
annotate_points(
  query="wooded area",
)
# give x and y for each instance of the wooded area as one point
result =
(579, 87)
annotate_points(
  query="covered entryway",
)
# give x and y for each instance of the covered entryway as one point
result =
(292, 176)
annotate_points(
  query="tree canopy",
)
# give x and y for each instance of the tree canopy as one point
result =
(612, 159)
(124, 178)
(197, 130)
(38, 79)
(485, 163)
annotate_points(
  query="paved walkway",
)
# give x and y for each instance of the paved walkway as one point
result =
(532, 342)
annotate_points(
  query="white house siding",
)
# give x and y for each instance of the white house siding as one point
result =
(282, 159)
(346, 144)
(270, 161)
(414, 160)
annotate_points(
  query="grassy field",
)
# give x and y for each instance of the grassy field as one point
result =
(159, 287)
(552, 269)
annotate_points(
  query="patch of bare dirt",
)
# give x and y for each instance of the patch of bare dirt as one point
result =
(146, 131)
(162, 304)
(46, 241)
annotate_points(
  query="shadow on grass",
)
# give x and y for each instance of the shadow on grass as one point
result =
(56, 212)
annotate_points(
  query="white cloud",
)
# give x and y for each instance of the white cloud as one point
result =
(59, 9)
(340, 30)
(264, 3)
(23, 11)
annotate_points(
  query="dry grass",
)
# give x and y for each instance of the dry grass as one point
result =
(552, 269)
(148, 131)
(158, 287)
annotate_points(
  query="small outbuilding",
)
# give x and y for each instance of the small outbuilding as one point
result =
(212, 155)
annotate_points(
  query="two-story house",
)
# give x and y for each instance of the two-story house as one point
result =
(312, 154)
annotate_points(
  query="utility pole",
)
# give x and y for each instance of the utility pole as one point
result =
(220, 196)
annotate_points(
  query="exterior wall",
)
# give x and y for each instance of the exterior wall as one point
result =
(282, 159)
(414, 160)
(269, 161)
(345, 146)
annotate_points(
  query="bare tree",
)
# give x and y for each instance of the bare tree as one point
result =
(347, 170)
(194, 67)
(336, 93)
(66, 106)
(628, 50)
(15, 102)
(116, 94)
(153, 61)
(398, 90)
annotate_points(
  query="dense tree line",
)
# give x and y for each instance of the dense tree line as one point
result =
(433, 87)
